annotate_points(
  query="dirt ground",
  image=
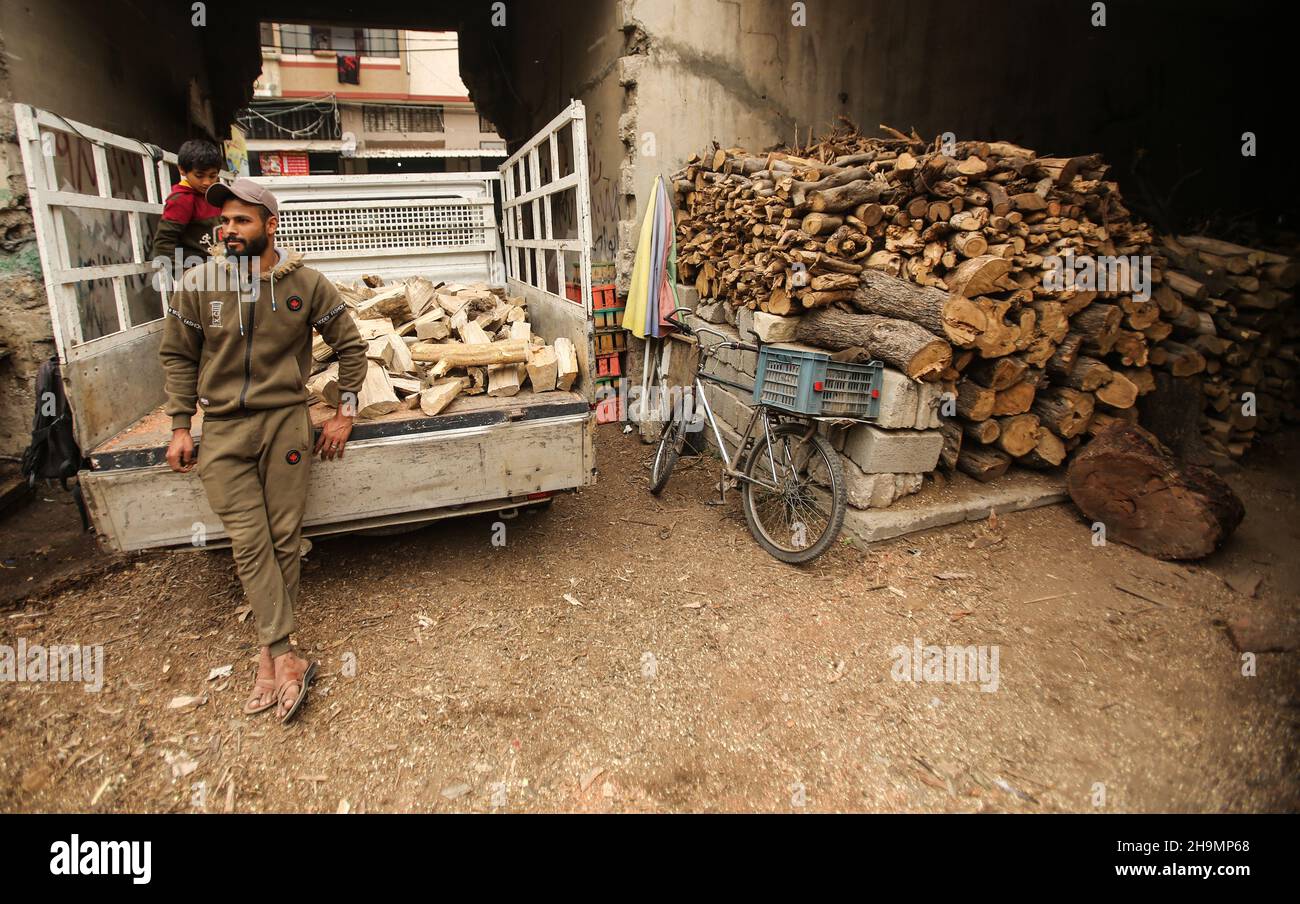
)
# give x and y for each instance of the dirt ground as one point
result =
(621, 653)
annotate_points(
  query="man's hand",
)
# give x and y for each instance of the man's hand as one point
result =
(180, 451)
(334, 435)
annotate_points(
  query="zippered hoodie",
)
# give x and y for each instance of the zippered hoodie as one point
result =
(233, 350)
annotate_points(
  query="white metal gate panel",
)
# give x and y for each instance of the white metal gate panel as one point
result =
(538, 182)
(96, 198)
(438, 225)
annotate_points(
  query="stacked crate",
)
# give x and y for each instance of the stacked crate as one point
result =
(610, 338)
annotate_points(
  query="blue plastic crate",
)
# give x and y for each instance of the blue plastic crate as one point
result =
(807, 382)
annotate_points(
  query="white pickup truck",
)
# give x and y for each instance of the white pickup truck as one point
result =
(96, 197)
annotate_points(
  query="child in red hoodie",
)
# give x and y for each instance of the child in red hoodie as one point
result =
(189, 222)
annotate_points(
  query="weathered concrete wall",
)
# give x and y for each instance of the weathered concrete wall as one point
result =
(126, 68)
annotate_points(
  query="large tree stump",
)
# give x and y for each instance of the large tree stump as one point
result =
(1131, 483)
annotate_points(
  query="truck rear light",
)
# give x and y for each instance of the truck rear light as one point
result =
(539, 496)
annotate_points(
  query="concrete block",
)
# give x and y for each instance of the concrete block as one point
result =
(878, 451)
(687, 296)
(771, 328)
(712, 311)
(867, 490)
(899, 400)
(747, 363)
(745, 325)
(694, 321)
(727, 407)
(719, 368)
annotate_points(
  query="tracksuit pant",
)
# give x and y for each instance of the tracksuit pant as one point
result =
(255, 470)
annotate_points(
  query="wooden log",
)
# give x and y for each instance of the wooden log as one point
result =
(818, 223)
(1129, 481)
(846, 196)
(420, 296)
(1131, 348)
(1088, 374)
(943, 314)
(440, 394)
(397, 357)
(391, 302)
(983, 463)
(458, 354)
(998, 373)
(566, 357)
(325, 385)
(1179, 359)
(1118, 392)
(1048, 453)
(1015, 399)
(1018, 434)
(1065, 356)
(377, 396)
(1064, 411)
(977, 276)
(974, 402)
(903, 345)
(985, 431)
(1099, 325)
(952, 442)
(543, 369)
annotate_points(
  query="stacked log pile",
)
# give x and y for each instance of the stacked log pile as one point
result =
(945, 261)
(429, 344)
(1232, 323)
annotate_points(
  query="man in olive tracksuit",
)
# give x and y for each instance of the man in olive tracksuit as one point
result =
(238, 342)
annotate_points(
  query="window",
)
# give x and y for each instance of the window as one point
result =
(303, 39)
(268, 36)
(491, 145)
(295, 38)
(380, 42)
(484, 125)
(399, 118)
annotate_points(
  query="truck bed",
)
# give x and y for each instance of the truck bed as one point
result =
(144, 443)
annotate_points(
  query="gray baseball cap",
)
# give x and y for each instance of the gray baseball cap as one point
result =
(245, 190)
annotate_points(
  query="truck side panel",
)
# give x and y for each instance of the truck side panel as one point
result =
(390, 480)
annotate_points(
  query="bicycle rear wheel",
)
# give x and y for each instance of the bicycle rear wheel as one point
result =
(670, 447)
(798, 517)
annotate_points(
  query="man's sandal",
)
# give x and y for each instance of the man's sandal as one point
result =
(303, 681)
(260, 686)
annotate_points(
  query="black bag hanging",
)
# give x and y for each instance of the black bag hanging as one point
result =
(53, 454)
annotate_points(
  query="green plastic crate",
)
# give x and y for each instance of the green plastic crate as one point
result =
(806, 382)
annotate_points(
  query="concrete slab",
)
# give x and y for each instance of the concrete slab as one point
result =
(963, 499)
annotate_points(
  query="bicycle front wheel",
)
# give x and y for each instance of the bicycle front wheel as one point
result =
(797, 514)
(670, 447)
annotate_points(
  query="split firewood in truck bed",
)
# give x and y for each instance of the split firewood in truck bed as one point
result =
(417, 332)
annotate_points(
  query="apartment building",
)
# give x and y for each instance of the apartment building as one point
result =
(334, 99)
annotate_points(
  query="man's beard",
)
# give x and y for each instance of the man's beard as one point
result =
(251, 248)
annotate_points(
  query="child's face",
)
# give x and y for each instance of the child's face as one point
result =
(201, 179)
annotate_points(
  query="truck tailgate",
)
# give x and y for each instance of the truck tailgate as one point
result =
(396, 470)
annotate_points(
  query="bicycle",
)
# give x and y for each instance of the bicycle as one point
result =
(792, 483)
